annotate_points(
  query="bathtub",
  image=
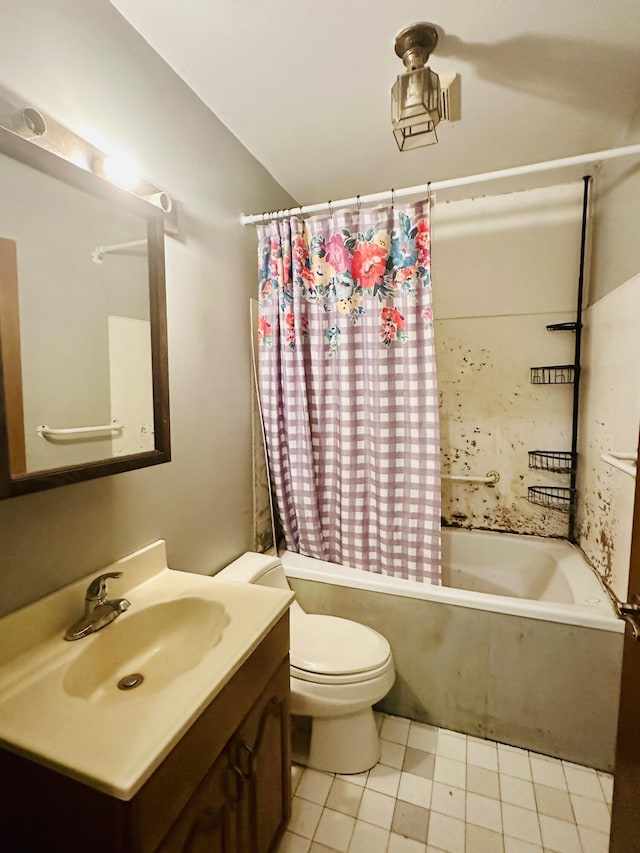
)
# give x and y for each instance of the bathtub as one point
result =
(520, 643)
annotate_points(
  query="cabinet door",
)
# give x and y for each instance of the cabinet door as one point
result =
(209, 822)
(263, 756)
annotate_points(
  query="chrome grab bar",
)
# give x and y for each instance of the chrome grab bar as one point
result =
(97, 256)
(491, 478)
(46, 431)
(622, 461)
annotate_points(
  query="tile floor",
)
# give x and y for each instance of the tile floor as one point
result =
(435, 790)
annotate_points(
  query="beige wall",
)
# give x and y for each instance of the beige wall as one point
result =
(79, 61)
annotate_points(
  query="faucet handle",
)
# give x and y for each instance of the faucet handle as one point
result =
(97, 589)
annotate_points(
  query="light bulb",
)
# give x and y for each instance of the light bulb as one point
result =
(121, 170)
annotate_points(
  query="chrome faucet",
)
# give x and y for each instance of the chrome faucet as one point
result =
(98, 610)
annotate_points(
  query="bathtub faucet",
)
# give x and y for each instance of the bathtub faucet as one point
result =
(98, 611)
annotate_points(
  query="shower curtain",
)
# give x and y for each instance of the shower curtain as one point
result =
(348, 387)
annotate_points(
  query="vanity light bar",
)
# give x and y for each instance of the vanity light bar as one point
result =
(40, 129)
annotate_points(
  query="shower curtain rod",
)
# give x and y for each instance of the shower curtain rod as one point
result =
(547, 166)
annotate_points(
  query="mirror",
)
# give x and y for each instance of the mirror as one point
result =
(84, 380)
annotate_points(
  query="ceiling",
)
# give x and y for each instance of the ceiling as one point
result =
(305, 86)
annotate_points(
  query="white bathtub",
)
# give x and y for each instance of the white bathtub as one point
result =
(527, 576)
(520, 644)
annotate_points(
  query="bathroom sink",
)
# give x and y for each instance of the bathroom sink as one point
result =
(148, 649)
(186, 635)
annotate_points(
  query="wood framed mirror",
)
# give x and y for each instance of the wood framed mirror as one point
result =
(83, 341)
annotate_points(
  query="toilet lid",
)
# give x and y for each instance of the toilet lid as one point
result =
(328, 645)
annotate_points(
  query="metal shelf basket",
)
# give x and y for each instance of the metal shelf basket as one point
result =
(562, 327)
(553, 374)
(553, 497)
(558, 461)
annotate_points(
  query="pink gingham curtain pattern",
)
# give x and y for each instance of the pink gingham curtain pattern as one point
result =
(348, 388)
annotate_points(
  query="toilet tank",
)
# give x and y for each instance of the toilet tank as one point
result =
(260, 569)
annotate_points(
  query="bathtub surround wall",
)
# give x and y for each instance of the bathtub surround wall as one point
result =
(491, 302)
(610, 396)
(610, 415)
(610, 404)
(504, 267)
(96, 75)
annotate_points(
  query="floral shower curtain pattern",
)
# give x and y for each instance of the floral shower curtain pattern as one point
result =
(348, 388)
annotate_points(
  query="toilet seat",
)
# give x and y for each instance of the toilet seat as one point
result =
(331, 650)
(351, 678)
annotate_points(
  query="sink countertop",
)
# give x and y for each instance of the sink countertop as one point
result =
(115, 744)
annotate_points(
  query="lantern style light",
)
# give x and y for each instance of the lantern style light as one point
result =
(415, 97)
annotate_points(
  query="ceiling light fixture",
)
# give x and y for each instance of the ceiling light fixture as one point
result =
(415, 97)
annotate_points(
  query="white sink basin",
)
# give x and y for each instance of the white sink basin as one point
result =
(185, 634)
(159, 643)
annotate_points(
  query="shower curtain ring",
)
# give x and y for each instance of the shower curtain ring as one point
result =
(330, 206)
(393, 199)
(358, 203)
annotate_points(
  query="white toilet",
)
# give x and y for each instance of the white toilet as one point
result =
(339, 669)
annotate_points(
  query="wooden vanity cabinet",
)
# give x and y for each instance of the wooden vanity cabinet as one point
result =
(242, 804)
(224, 788)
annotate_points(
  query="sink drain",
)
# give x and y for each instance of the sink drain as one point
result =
(130, 681)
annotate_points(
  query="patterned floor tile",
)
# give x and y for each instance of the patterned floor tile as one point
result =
(440, 791)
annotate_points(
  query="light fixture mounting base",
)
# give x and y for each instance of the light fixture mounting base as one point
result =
(415, 44)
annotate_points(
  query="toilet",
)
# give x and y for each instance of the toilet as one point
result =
(339, 669)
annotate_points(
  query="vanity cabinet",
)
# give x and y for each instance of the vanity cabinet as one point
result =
(224, 788)
(242, 803)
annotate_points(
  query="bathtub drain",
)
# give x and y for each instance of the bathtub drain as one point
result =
(130, 681)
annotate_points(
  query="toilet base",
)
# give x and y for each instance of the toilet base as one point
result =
(345, 744)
